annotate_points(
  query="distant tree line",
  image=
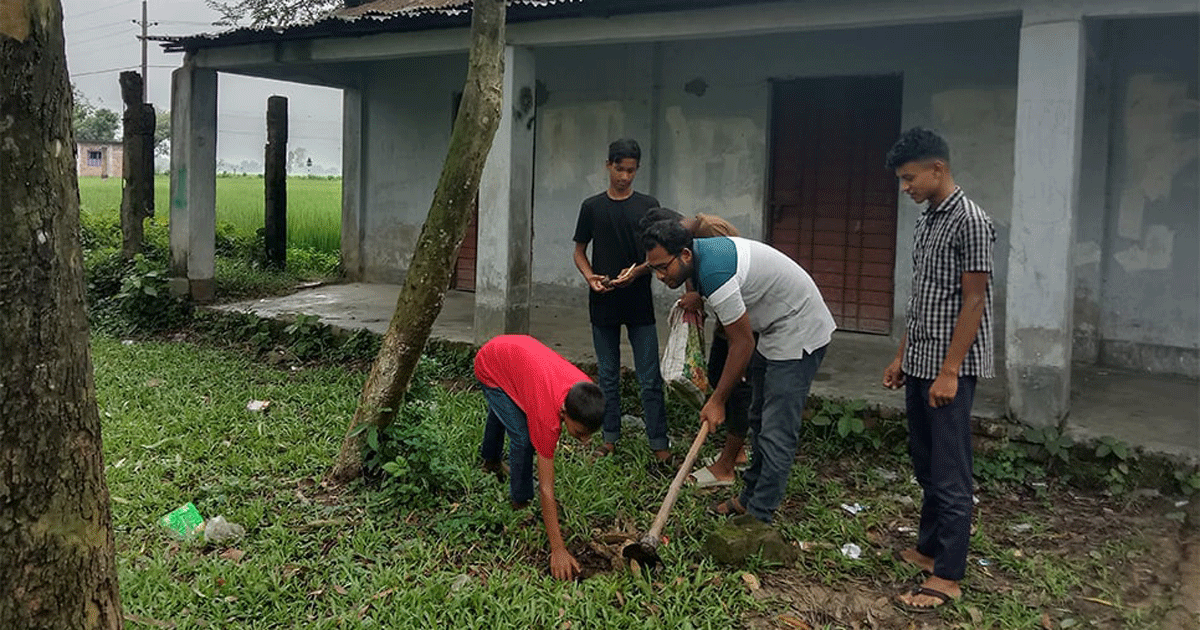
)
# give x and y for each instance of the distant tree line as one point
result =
(100, 124)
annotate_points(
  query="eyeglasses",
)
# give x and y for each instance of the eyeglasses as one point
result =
(663, 266)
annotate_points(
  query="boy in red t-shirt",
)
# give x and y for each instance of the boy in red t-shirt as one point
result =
(533, 393)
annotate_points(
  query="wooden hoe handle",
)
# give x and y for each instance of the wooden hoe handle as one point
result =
(677, 483)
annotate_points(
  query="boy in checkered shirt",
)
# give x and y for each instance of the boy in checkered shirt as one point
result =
(947, 345)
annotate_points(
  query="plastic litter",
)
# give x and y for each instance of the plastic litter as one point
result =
(217, 531)
(258, 406)
(852, 551)
(853, 509)
(984, 562)
(184, 521)
(683, 363)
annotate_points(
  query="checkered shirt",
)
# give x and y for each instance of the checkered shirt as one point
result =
(955, 237)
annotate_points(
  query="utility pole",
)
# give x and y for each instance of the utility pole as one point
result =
(145, 24)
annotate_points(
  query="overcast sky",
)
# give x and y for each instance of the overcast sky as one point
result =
(101, 42)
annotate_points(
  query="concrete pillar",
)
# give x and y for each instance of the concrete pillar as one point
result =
(354, 173)
(1041, 279)
(504, 251)
(193, 211)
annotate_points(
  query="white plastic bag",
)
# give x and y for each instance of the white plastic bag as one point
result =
(684, 369)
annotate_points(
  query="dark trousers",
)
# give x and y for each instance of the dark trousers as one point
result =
(779, 392)
(939, 442)
(737, 422)
(644, 341)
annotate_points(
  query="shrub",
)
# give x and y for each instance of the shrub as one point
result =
(409, 455)
(141, 301)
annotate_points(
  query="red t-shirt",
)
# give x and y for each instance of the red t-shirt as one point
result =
(535, 377)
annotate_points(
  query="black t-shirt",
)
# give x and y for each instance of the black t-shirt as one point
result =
(612, 228)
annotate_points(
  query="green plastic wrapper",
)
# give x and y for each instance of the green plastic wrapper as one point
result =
(184, 522)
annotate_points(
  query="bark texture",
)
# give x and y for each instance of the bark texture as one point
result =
(137, 195)
(56, 569)
(432, 264)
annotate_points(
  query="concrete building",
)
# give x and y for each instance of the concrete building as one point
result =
(99, 159)
(1074, 123)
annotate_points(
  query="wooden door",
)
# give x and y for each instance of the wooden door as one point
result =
(464, 266)
(832, 202)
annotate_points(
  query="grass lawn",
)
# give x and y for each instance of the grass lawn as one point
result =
(176, 429)
(314, 205)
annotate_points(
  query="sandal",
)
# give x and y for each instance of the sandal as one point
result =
(703, 478)
(728, 507)
(942, 598)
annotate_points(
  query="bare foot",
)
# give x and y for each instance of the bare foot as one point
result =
(934, 592)
(604, 450)
(916, 558)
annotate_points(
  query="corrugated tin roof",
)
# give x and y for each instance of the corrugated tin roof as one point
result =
(383, 16)
(417, 7)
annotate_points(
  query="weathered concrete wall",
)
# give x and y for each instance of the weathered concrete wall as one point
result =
(1093, 194)
(408, 108)
(708, 152)
(587, 97)
(1149, 260)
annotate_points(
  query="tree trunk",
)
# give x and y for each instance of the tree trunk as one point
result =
(432, 264)
(56, 569)
(137, 195)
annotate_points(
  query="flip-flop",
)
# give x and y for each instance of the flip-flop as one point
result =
(942, 598)
(731, 508)
(703, 478)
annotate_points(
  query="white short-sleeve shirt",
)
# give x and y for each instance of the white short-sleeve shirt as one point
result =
(739, 276)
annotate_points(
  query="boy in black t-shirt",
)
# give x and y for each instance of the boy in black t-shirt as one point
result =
(609, 221)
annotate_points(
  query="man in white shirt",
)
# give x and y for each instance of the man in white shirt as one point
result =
(753, 288)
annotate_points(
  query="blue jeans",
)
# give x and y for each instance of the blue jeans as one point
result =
(504, 416)
(939, 442)
(644, 341)
(779, 392)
